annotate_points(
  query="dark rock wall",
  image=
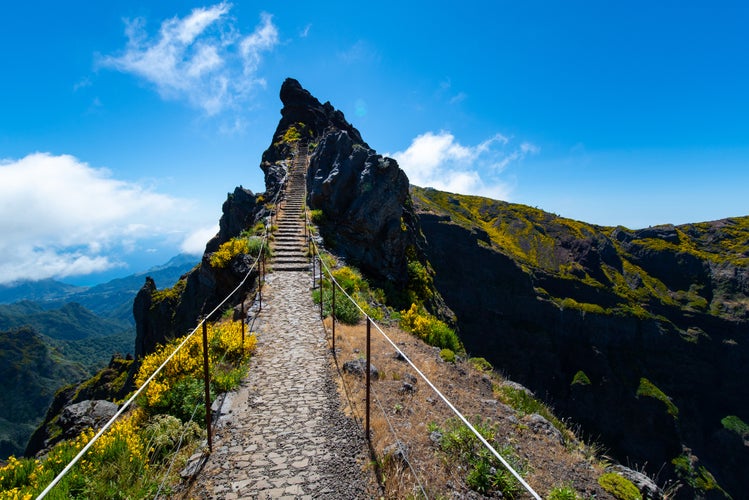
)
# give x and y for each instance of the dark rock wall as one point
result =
(536, 343)
(365, 201)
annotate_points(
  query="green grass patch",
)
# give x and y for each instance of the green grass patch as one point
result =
(650, 390)
(485, 474)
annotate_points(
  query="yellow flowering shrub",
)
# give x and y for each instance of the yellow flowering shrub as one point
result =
(430, 329)
(124, 462)
(228, 251)
(116, 462)
(179, 379)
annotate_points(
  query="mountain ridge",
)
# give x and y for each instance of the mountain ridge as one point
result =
(638, 336)
(71, 340)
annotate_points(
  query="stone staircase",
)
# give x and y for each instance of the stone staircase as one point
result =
(289, 242)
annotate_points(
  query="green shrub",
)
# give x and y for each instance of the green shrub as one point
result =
(620, 487)
(317, 217)
(433, 331)
(447, 355)
(563, 493)
(481, 364)
(580, 378)
(486, 474)
(165, 433)
(420, 282)
(345, 311)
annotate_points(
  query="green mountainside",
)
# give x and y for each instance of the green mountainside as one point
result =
(634, 271)
(639, 336)
(64, 335)
(31, 371)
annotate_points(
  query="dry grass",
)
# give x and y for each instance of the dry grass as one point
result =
(397, 415)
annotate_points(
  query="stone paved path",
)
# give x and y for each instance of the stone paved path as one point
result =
(282, 434)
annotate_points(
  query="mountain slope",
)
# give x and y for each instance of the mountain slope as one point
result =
(30, 373)
(52, 342)
(617, 327)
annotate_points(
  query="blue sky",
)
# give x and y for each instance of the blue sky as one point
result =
(124, 124)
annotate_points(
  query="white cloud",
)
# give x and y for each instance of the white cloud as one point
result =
(438, 160)
(195, 242)
(361, 51)
(201, 58)
(60, 217)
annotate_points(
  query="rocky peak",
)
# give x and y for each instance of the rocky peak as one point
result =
(311, 119)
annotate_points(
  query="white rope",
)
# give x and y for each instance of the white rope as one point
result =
(157, 371)
(433, 387)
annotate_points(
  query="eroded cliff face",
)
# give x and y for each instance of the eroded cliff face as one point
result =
(553, 317)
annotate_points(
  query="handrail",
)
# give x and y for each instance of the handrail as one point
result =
(132, 398)
(481, 438)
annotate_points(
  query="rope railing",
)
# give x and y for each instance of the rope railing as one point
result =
(439, 393)
(158, 370)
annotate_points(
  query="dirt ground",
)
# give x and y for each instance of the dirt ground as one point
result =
(403, 406)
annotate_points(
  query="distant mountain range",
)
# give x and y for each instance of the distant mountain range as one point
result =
(53, 334)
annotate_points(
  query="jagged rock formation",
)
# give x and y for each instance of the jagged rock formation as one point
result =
(364, 199)
(639, 336)
(309, 120)
(161, 315)
(366, 209)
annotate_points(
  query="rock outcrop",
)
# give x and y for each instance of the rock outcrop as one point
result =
(638, 336)
(367, 214)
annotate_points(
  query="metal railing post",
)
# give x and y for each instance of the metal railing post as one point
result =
(332, 313)
(242, 320)
(321, 290)
(368, 367)
(314, 277)
(260, 282)
(207, 379)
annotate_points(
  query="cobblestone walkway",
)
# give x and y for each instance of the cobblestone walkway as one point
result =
(282, 434)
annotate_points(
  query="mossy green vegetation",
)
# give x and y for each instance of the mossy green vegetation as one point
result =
(485, 474)
(563, 493)
(650, 390)
(447, 355)
(481, 364)
(526, 404)
(621, 487)
(698, 477)
(539, 240)
(736, 425)
(580, 378)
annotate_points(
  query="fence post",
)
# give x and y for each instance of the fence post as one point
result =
(332, 313)
(321, 294)
(369, 365)
(207, 379)
(242, 319)
(260, 281)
